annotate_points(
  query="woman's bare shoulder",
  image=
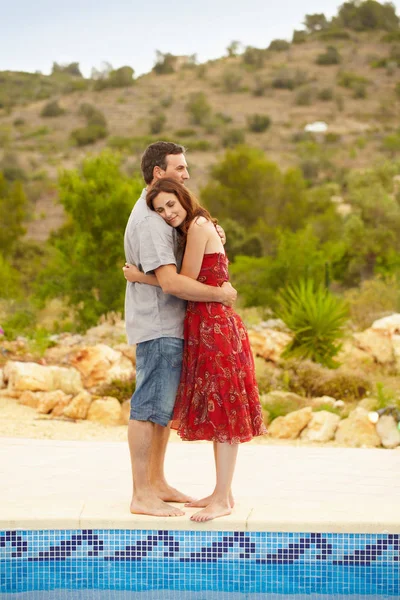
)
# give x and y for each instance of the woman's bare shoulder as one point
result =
(200, 222)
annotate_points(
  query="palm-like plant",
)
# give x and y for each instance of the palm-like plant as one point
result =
(317, 319)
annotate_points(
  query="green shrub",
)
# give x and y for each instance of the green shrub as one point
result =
(368, 15)
(11, 168)
(325, 94)
(317, 319)
(299, 36)
(279, 45)
(185, 132)
(359, 91)
(10, 288)
(258, 123)
(167, 101)
(334, 34)
(52, 109)
(231, 81)
(157, 123)
(331, 56)
(198, 108)
(93, 115)
(121, 389)
(116, 78)
(21, 321)
(198, 145)
(305, 96)
(397, 90)
(393, 36)
(348, 80)
(88, 135)
(260, 86)
(281, 404)
(253, 57)
(374, 299)
(165, 63)
(233, 137)
(18, 122)
(310, 379)
(283, 81)
(223, 118)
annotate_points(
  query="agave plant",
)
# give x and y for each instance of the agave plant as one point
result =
(317, 319)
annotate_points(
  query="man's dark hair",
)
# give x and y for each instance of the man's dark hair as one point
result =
(155, 155)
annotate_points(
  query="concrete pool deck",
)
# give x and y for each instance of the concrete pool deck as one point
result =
(48, 484)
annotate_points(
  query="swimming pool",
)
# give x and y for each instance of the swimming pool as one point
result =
(197, 565)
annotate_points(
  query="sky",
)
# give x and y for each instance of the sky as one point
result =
(34, 33)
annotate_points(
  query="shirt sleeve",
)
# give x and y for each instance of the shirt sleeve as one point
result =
(156, 241)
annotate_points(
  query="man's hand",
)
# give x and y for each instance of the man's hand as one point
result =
(230, 294)
(221, 233)
(131, 272)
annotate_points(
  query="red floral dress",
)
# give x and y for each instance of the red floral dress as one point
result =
(217, 397)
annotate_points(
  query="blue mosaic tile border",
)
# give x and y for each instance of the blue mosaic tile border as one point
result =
(253, 562)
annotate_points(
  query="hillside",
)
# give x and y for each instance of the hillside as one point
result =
(358, 98)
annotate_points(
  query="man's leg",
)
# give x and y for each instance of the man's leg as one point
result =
(144, 499)
(157, 474)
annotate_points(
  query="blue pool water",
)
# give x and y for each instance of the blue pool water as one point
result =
(197, 565)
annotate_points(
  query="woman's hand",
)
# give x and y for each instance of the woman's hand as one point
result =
(131, 273)
(221, 233)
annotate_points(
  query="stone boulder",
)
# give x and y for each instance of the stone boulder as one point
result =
(2, 382)
(106, 411)
(28, 398)
(290, 426)
(49, 400)
(30, 376)
(357, 431)
(101, 364)
(390, 325)
(268, 343)
(377, 343)
(79, 406)
(109, 332)
(321, 427)
(388, 432)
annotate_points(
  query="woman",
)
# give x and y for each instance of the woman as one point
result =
(217, 399)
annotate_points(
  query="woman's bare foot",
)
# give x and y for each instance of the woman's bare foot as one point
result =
(212, 511)
(203, 502)
(170, 494)
(155, 507)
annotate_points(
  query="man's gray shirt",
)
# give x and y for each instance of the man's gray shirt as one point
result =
(150, 243)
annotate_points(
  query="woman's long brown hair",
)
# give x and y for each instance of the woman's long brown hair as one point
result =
(188, 201)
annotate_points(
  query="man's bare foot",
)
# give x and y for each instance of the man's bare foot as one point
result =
(203, 502)
(212, 511)
(154, 507)
(170, 494)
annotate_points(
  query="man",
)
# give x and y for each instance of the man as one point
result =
(154, 320)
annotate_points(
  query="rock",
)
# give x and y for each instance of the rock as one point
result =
(125, 412)
(107, 332)
(29, 399)
(2, 382)
(106, 411)
(48, 400)
(58, 410)
(390, 325)
(357, 431)
(321, 427)
(378, 343)
(79, 406)
(128, 351)
(101, 364)
(38, 378)
(324, 400)
(387, 430)
(396, 350)
(290, 426)
(268, 343)
(7, 393)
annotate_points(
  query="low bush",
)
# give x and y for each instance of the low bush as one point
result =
(93, 115)
(253, 57)
(333, 34)
(198, 108)
(199, 145)
(233, 137)
(121, 389)
(88, 135)
(157, 123)
(279, 45)
(331, 56)
(325, 94)
(305, 96)
(260, 86)
(374, 299)
(309, 379)
(317, 319)
(258, 123)
(185, 132)
(299, 36)
(52, 109)
(231, 81)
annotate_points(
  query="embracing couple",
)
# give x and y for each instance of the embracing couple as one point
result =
(194, 366)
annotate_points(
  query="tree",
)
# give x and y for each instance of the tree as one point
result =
(13, 206)
(165, 63)
(315, 22)
(198, 108)
(367, 15)
(88, 251)
(234, 48)
(70, 69)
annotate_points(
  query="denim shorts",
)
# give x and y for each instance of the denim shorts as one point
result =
(158, 372)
